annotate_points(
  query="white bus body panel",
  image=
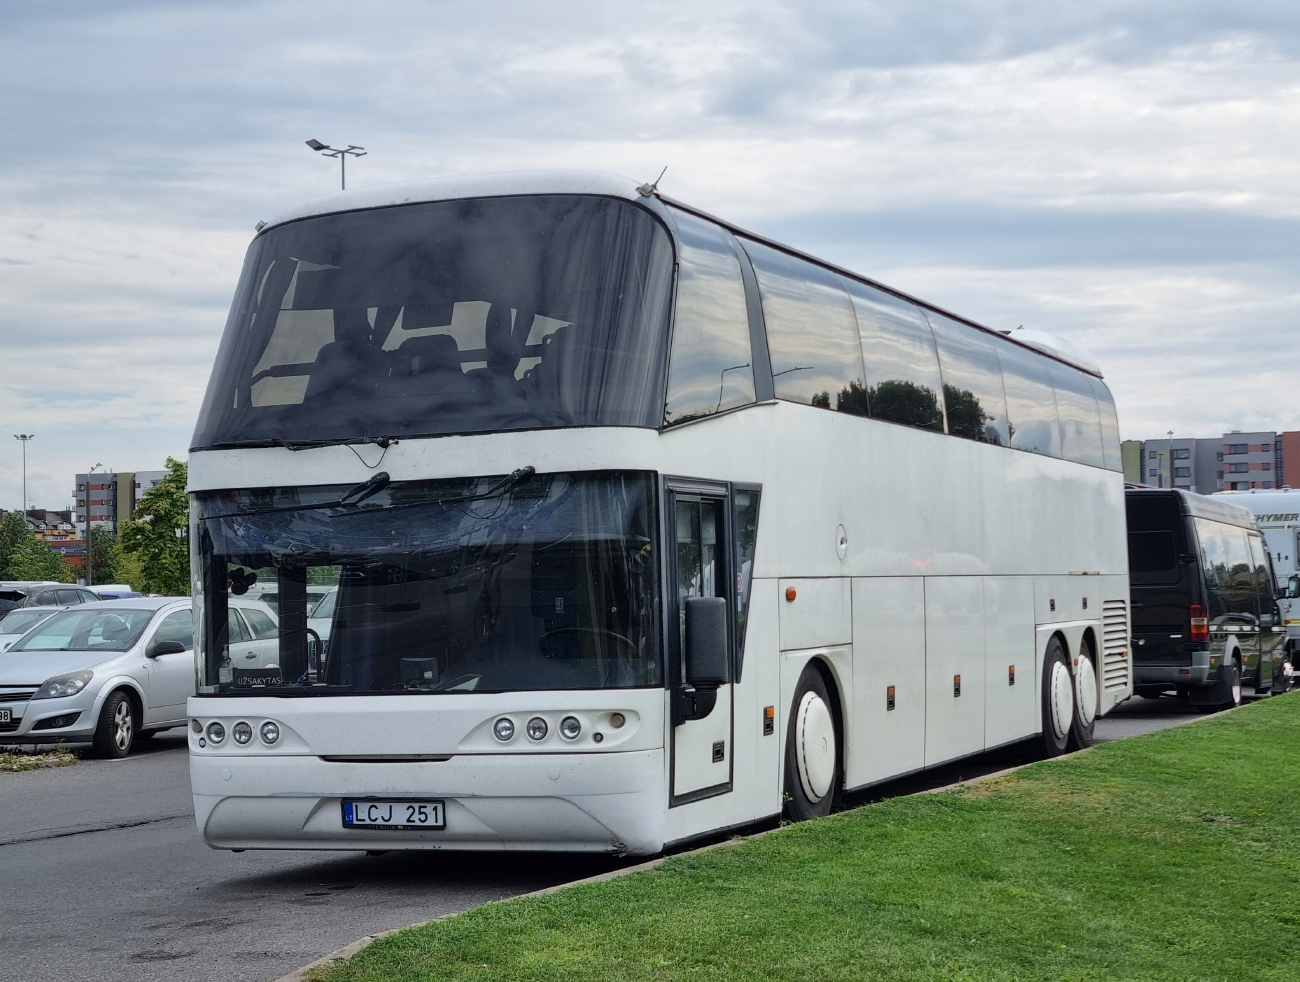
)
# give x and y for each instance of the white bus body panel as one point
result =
(934, 582)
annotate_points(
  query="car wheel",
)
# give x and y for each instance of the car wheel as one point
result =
(812, 759)
(1085, 700)
(115, 733)
(1233, 690)
(1058, 700)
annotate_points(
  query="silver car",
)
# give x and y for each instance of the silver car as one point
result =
(112, 672)
(20, 620)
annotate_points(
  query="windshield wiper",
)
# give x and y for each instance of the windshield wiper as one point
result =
(366, 489)
(380, 441)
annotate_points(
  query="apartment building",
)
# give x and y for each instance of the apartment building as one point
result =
(110, 498)
(1236, 461)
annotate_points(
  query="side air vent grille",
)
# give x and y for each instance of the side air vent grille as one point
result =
(1114, 644)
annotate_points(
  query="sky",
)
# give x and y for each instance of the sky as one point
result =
(1121, 174)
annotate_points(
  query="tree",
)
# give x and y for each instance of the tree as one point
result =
(151, 535)
(25, 556)
(104, 554)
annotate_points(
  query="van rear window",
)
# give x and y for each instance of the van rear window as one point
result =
(1152, 558)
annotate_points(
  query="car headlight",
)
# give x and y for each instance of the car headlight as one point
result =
(64, 685)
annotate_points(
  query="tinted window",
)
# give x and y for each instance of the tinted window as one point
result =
(1109, 425)
(446, 317)
(69, 597)
(898, 353)
(745, 521)
(1031, 400)
(48, 598)
(1261, 573)
(177, 626)
(710, 368)
(1228, 564)
(1076, 408)
(812, 336)
(1152, 558)
(972, 382)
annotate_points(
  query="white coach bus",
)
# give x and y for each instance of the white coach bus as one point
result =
(642, 528)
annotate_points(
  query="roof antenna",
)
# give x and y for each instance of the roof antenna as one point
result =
(646, 190)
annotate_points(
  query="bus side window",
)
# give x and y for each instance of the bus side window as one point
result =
(1214, 559)
(710, 369)
(745, 525)
(1031, 400)
(1109, 425)
(972, 382)
(812, 336)
(898, 353)
(1076, 407)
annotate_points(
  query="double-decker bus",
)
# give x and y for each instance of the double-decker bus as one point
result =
(638, 527)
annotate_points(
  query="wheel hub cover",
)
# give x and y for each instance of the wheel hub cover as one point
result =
(1062, 699)
(814, 746)
(1087, 682)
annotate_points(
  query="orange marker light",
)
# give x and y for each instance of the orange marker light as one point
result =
(790, 593)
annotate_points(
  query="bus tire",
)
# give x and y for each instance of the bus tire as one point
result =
(1085, 699)
(812, 758)
(1058, 700)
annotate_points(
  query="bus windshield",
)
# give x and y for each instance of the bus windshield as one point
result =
(467, 316)
(464, 585)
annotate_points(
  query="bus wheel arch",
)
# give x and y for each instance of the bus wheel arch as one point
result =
(814, 746)
(1057, 697)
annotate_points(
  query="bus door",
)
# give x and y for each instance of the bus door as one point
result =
(702, 731)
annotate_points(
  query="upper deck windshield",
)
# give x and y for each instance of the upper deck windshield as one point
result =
(467, 585)
(465, 316)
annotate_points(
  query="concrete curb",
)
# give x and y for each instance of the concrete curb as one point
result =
(300, 975)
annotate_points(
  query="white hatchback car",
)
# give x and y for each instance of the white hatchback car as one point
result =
(112, 672)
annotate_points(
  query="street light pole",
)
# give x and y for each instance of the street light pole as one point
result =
(342, 153)
(23, 438)
(89, 555)
(1171, 458)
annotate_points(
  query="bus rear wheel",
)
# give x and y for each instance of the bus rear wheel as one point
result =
(1058, 700)
(1085, 700)
(812, 758)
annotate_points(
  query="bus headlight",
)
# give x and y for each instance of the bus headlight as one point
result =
(536, 729)
(216, 733)
(503, 729)
(270, 733)
(242, 733)
(570, 727)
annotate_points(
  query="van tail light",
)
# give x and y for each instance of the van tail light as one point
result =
(1200, 626)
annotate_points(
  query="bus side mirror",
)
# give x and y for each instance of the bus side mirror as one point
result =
(708, 664)
(1293, 588)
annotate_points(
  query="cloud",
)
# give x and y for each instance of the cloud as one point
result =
(1122, 171)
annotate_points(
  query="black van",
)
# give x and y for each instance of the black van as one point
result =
(1205, 618)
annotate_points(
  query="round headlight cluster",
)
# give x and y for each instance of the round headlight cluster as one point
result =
(504, 729)
(570, 728)
(216, 733)
(242, 733)
(537, 728)
(270, 733)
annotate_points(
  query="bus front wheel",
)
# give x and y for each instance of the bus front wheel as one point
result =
(812, 758)
(1058, 700)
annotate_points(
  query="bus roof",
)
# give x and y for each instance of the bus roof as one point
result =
(605, 184)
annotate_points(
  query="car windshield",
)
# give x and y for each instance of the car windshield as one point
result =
(466, 316)
(326, 606)
(467, 585)
(113, 629)
(22, 620)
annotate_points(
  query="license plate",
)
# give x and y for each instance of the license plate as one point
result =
(396, 814)
(4, 716)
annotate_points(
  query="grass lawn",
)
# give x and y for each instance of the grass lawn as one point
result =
(1169, 856)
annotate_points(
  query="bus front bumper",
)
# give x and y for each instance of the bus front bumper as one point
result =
(597, 802)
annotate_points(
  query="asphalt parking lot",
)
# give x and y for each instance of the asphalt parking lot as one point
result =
(106, 877)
